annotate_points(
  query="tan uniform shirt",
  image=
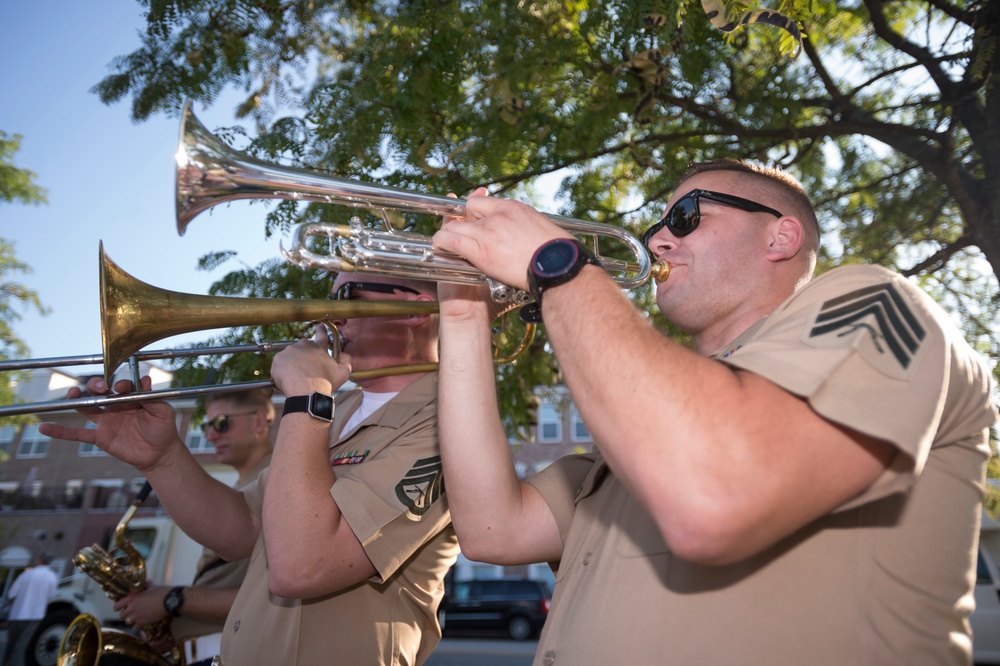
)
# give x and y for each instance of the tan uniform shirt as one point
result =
(389, 487)
(887, 578)
(214, 572)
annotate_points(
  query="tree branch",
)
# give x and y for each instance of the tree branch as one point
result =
(957, 13)
(939, 258)
(918, 53)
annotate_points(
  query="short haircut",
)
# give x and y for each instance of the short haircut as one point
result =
(771, 186)
(45, 557)
(256, 399)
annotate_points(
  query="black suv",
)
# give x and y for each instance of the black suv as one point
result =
(517, 606)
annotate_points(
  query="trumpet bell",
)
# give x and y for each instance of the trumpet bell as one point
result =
(209, 172)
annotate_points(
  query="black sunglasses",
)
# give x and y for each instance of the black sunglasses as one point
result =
(221, 422)
(685, 215)
(346, 291)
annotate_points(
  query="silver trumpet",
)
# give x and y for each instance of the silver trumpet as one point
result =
(209, 172)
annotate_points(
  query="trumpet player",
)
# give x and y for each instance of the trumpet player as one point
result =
(803, 486)
(238, 425)
(348, 530)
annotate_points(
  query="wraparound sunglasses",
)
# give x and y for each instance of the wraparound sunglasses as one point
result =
(685, 215)
(220, 423)
(346, 291)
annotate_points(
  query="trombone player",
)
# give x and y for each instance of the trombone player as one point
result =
(348, 531)
(238, 425)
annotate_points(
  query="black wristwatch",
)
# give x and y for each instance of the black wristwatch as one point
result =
(173, 601)
(318, 405)
(556, 262)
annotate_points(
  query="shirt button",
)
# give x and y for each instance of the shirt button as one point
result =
(549, 658)
(586, 559)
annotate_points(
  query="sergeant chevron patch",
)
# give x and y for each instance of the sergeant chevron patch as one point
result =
(421, 486)
(879, 321)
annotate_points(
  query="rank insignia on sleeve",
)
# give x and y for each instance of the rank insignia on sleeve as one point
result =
(422, 485)
(878, 320)
(350, 458)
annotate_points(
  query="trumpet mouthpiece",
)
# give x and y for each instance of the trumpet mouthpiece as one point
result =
(660, 271)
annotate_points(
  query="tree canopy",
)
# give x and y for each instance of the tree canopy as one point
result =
(17, 184)
(883, 115)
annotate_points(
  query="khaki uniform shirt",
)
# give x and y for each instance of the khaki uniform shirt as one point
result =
(389, 487)
(886, 578)
(215, 572)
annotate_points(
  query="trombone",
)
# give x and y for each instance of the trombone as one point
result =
(135, 314)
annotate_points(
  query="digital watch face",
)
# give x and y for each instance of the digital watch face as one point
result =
(556, 258)
(322, 405)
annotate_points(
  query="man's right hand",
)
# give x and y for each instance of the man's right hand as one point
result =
(140, 434)
(144, 607)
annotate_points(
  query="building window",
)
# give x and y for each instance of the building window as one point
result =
(8, 494)
(6, 437)
(197, 442)
(33, 443)
(580, 433)
(109, 493)
(549, 423)
(74, 493)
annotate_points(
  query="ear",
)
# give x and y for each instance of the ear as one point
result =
(417, 320)
(260, 422)
(785, 237)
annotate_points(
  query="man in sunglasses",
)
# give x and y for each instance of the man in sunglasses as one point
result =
(348, 528)
(803, 486)
(238, 425)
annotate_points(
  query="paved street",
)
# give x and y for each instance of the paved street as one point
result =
(460, 652)
(480, 652)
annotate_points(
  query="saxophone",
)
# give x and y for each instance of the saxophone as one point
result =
(85, 643)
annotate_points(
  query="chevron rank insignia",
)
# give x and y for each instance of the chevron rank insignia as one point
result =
(350, 458)
(421, 486)
(879, 321)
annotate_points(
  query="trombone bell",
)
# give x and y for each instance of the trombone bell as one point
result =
(135, 314)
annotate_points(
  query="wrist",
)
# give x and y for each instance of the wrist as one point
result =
(555, 263)
(168, 458)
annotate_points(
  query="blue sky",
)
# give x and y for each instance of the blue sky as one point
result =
(107, 178)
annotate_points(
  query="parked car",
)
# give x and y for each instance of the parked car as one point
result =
(985, 620)
(516, 606)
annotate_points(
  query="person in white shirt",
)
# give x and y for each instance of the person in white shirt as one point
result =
(30, 593)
